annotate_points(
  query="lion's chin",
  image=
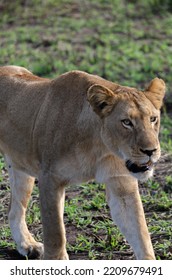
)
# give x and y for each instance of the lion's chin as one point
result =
(141, 172)
(143, 177)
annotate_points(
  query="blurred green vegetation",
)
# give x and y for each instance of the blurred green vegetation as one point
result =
(124, 41)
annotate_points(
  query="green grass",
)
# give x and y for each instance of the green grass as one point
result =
(103, 37)
(124, 41)
(166, 133)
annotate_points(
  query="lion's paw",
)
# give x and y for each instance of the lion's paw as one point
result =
(32, 251)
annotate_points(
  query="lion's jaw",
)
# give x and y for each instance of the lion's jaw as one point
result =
(142, 171)
(139, 164)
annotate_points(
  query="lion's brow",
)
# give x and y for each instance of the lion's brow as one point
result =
(143, 107)
(128, 90)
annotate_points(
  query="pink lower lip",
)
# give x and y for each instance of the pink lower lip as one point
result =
(150, 166)
(149, 163)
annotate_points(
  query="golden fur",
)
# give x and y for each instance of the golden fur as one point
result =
(72, 129)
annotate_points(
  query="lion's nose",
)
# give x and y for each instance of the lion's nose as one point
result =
(148, 152)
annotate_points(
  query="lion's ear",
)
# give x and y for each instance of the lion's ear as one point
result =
(101, 99)
(155, 92)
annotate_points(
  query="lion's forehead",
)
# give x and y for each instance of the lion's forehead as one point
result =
(138, 105)
(140, 109)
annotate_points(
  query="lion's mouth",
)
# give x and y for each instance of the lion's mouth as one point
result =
(135, 168)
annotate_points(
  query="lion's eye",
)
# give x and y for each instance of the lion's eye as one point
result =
(153, 119)
(127, 123)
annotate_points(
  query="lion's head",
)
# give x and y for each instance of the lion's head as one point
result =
(130, 123)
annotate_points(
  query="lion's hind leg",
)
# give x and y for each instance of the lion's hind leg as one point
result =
(21, 188)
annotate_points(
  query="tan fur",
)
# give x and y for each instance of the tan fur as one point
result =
(73, 129)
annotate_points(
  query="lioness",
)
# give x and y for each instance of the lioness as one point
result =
(73, 129)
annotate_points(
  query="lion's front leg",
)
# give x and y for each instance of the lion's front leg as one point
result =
(127, 212)
(52, 196)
